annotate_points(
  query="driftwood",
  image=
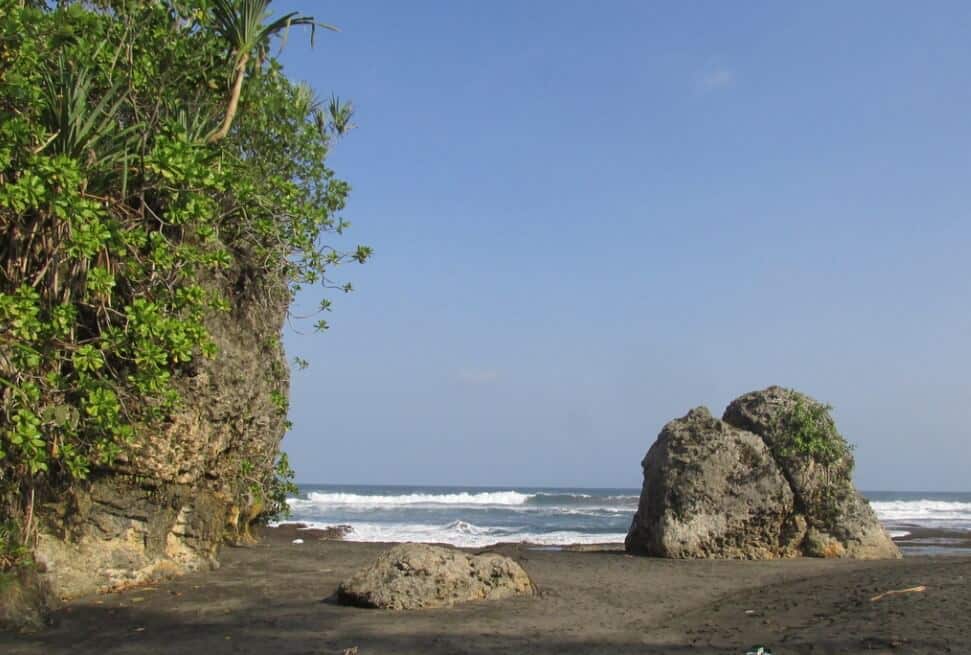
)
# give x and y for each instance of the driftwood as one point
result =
(896, 592)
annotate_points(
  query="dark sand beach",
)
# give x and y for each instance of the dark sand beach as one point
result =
(277, 597)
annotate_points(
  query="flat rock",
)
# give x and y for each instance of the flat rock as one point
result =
(413, 576)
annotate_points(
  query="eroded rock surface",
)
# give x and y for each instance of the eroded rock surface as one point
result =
(167, 505)
(413, 576)
(24, 599)
(740, 487)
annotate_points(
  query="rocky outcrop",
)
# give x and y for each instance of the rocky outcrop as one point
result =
(166, 506)
(840, 522)
(114, 534)
(413, 576)
(712, 490)
(771, 479)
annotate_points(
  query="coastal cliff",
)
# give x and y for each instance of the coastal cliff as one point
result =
(158, 212)
(166, 506)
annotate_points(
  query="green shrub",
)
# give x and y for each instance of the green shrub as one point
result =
(806, 429)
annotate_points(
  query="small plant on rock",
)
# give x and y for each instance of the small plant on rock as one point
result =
(808, 430)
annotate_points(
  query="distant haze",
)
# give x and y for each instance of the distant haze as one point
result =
(589, 218)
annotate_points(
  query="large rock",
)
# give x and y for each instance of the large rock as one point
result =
(840, 521)
(771, 479)
(413, 576)
(711, 490)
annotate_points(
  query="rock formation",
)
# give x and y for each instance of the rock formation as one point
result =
(166, 507)
(771, 479)
(413, 576)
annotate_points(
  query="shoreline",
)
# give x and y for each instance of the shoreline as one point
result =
(277, 597)
(297, 530)
(919, 540)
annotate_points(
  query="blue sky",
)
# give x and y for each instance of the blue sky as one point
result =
(589, 218)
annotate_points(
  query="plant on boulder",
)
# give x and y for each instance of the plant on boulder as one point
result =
(807, 429)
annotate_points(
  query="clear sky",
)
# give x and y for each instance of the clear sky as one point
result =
(590, 217)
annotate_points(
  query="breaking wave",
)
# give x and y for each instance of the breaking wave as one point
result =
(468, 535)
(924, 512)
(465, 499)
(495, 499)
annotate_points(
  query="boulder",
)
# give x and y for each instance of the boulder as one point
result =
(413, 576)
(771, 479)
(712, 490)
(839, 519)
(335, 531)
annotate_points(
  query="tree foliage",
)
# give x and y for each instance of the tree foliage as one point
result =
(116, 202)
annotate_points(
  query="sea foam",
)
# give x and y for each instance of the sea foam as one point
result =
(924, 512)
(476, 517)
(467, 535)
(487, 498)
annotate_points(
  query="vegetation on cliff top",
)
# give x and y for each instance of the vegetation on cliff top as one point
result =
(145, 149)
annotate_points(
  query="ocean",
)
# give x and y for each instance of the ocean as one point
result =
(480, 516)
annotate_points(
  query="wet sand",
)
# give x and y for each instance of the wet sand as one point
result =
(277, 597)
(930, 541)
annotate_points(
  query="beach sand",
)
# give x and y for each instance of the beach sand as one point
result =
(277, 597)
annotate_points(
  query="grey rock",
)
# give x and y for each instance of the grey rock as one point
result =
(413, 576)
(736, 488)
(711, 490)
(841, 522)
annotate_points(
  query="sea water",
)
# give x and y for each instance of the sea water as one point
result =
(480, 516)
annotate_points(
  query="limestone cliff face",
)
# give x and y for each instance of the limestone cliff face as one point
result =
(166, 507)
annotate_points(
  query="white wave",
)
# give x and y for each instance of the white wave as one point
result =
(564, 493)
(589, 510)
(463, 534)
(504, 500)
(493, 498)
(896, 534)
(931, 513)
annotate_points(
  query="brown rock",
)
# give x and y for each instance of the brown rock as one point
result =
(413, 576)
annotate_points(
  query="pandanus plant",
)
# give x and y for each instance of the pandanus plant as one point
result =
(86, 123)
(242, 23)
